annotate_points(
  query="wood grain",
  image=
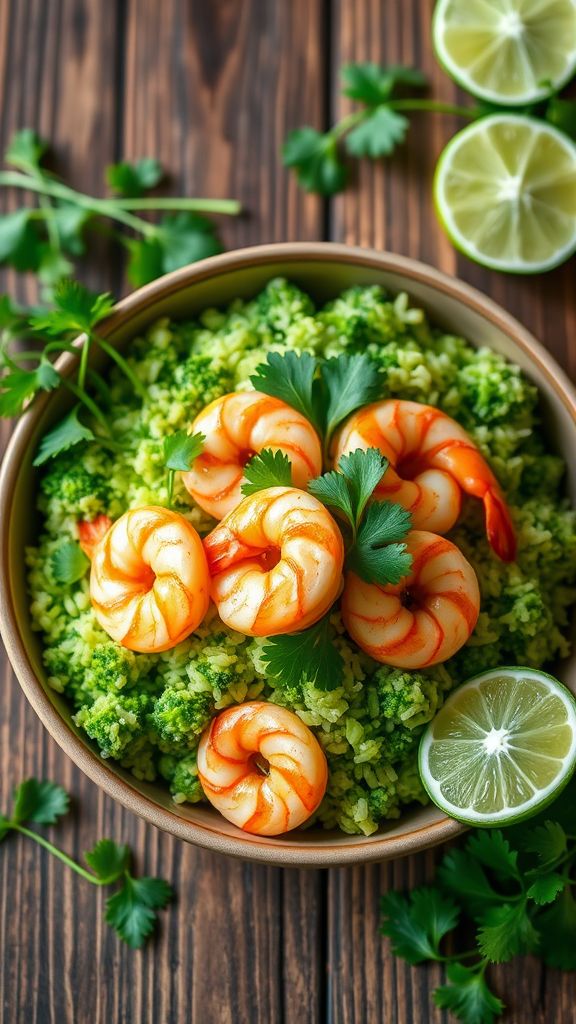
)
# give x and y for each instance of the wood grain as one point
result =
(390, 207)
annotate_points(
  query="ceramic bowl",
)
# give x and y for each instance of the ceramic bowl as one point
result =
(323, 270)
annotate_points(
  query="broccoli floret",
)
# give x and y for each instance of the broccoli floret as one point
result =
(363, 317)
(111, 668)
(406, 698)
(179, 716)
(494, 391)
(183, 778)
(200, 380)
(281, 304)
(77, 491)
(380, 801)
(399, 742)
(114, 721)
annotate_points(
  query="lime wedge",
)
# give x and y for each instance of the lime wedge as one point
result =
(507, 51)
(505, 193)
(501, 748)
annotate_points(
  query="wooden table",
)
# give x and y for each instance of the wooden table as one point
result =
(211, 87)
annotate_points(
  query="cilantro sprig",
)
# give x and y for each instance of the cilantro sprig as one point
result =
(518, 890)
(377, 549)
(26, 373)
(324, 392)
(180, 450)
(306, 657)
(46, 239)
(373, 131)
(132, 909)
(267, 469)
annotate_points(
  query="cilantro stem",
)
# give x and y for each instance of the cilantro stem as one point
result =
(84, 352)
(87, 875)
(105, 207)
(81, 395)
(435, 107)
(229, 207)
(122, 364)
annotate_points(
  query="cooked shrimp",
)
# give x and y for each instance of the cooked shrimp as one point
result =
(262, 768)
(149, 582)
(236, 427)
(91, 533)
(276, 562)
(432, 460)
(426, 617)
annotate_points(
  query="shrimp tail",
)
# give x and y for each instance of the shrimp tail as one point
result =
(499, 528)
(91, 533)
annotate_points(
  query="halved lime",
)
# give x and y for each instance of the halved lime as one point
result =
(501, 748)
(507, 51)
(505, 192)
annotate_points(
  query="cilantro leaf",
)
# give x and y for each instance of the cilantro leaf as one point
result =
(268, 469)
(557, 927)
(144, 260)
(13, 320)
(492, 850)
(131, 910)
(350, 490)
(372, 84)
(350, 382)
(25, 150)
(15, 230)
(19, 386)
(545, 888)
(76, 309)
(562, 114)
(67, 433)
(467, 996)
(134, 179)
(548, 841)
(185, 238)
(416, 924)
(463, 876)
(291, 378)
(377, 556)
(70, 221)
(310, 656)
(181, 448)
(41, 802)
(69, 563)
(378, 134)
(4, 827)
(506, 931)
(108, 860)
(314, 157)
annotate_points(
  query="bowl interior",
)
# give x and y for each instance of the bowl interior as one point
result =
(324, 271)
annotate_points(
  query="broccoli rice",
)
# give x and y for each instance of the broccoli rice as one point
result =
(147, 711)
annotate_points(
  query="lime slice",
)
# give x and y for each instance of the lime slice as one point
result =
(505, 193)
(501, 748)
(507, 51)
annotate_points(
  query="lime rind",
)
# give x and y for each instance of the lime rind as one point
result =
(475, 773)
(563, 180)
(537, 89)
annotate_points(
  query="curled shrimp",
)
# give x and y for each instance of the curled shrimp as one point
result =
(149, 583)
(276, 562)
(238, 426)
(432, 460)
(426, 617)
(262, 768)
(91, 532)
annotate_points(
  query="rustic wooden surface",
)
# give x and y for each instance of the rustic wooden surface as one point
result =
(211, 88)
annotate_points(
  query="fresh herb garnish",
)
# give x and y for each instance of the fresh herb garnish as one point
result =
(310, 656)
(67, 433)
(377, 552)
(46, 238)
(517, 887)
(69, 563)
(373, 131)
(325, 393)
(131, 910)
(267, 469)
(180, 450)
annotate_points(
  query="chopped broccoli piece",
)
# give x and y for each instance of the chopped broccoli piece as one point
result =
(200, 380)
(281, 304)
(114, 721)
(380, 800)
(406, 698)
(111, 668)
(182, 774)
(399, 742)
(77, 491)
(179, 716)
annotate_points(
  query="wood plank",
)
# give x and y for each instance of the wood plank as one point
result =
(389, 207)
(194, 85)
